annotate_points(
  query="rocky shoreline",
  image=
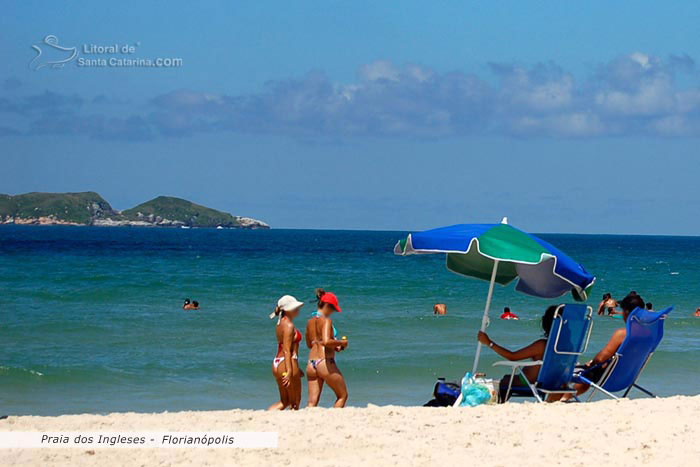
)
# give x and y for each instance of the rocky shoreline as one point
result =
(246, 223)
(43, 220)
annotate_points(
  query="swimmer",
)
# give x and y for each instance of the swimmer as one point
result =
(507, 314)
(190, 305)
(608, 304)
(439, 309)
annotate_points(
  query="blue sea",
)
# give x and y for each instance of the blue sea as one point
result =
(91, 318)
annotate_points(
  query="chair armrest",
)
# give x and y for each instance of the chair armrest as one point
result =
(517, 364)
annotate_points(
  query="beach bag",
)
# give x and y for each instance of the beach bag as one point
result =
(474, 392)
(445, 394)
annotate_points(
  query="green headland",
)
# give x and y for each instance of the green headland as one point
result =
(89, 208)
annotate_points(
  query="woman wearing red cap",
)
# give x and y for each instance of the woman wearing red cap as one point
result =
(321, 338)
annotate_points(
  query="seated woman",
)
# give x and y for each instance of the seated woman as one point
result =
(594, 369)
(534, 352)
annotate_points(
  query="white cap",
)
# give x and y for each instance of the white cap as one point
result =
(288, 303)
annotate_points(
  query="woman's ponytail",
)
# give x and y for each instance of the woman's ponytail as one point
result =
(278, 312)
(319, 293)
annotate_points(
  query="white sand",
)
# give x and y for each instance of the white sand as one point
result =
(630, 432)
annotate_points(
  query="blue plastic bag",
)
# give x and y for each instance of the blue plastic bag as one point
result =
(473, 393)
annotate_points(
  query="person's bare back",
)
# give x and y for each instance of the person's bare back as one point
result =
(314, 338)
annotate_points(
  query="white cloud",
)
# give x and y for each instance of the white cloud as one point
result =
(641, 59)
(379, 70)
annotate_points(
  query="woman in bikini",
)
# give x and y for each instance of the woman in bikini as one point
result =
(321, 338)
(285, 366)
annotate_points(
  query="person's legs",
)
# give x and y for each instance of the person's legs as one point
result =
(295, 388)
(335, 380)
(276, 406)
(503, 388)
(284, 401)
(580, 388)
(592, 374)
(315, 385)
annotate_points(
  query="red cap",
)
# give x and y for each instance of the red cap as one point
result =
(331, 299)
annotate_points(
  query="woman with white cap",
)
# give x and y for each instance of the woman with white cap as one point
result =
(285, 366)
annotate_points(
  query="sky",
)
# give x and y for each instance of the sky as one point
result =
(564, 117)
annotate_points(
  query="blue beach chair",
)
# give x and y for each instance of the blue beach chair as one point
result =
(645, 329)
(568, 339)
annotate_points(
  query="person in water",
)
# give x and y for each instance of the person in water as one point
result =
(697, 313)
(507, 314)
(534, 352)
(322, 339)
(594, 369)
(608, 304)
(439, 309)
(285, 365)
(190, 305)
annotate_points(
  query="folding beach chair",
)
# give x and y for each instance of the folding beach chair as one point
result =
(644, 332)
(568, 339)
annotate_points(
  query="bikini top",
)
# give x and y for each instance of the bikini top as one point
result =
(317, 314)
(297, 339)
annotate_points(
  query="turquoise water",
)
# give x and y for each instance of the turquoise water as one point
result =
(90, 319)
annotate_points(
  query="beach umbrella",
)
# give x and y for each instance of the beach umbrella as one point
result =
(500, 253)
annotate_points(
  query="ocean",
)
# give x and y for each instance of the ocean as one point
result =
(91, 318)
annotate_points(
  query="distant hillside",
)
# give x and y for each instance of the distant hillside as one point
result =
(54, 208)
(177, 211)
(89, 208)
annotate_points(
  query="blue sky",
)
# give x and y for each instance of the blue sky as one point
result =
(566, 118)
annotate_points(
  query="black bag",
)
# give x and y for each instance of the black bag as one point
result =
(446, 394)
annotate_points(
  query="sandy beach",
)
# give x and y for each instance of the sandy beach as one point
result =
(629, 432)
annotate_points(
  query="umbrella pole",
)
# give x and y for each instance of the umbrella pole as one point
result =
(485, 318)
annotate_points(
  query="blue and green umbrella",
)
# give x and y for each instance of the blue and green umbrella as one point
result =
(500, 253)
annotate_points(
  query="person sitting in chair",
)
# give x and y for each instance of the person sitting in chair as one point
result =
(594, 369)
(534, 352)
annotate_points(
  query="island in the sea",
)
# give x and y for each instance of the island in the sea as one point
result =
(89, 208)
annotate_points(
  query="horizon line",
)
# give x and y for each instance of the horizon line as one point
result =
(317, 229)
